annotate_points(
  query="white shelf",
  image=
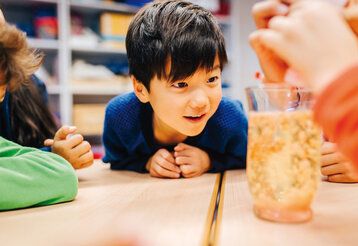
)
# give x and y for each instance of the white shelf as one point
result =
(53, 89)
(45, 44)
(29, 1)
(98, 50)
(43, 1)
(103, 91)
(98, 6)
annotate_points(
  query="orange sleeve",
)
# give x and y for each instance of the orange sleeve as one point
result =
(336, 110)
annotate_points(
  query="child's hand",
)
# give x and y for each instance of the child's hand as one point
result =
(162, 165)
(317, 30)
(192, 161)
(273, 67)
(335, 166)
(71, 147)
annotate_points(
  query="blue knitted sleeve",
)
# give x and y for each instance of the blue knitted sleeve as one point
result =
(115, 143)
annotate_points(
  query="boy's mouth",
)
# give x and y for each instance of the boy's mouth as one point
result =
(195, 118)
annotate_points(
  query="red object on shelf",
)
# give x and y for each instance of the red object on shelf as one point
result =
(224, 8)
(46, 27)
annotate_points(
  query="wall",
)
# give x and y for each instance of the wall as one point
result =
(244, 61)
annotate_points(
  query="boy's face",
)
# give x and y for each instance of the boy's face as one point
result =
(184, 107)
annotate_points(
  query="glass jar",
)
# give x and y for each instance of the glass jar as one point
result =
(283, 158)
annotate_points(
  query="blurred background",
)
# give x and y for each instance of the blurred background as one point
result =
(85, 59)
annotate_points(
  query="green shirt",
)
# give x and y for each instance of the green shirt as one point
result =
(31, 177)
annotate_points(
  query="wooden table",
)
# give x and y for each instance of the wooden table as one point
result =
(335, 219)
(157, 211)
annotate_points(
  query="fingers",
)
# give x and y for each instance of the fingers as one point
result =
(162, 172)
(328, 148)
(83, 161)
(48, 142)
(189, 171)
(183, 160)
(330, 159)
(81, 148)
(182, 146)
(167, 165)
(342, 172)
(163, 165)
(279, 23)
(268, 38)
(183, 154)
(165, 154)
(339, 178)
(334, 169)
(263, 11)
(62, 133)
(273, 67)
(2, 19)
(74, 141)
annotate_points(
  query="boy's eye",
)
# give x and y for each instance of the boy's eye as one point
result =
(180, 84)
(213, 79)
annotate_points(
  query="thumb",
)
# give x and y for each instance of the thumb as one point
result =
(62, 133)
(48, 142)
(2, 19)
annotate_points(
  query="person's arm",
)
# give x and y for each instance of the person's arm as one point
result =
(341, 97)
(31, 177)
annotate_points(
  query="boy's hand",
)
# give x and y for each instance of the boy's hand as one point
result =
(192, 161)
(71, 147)
(162, 165)
(335, 166)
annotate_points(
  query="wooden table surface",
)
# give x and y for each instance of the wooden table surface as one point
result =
(335, 220)
(157, 211)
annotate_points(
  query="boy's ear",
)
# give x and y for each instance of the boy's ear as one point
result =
(140, 91)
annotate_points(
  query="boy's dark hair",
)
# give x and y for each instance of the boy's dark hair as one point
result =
(185, 33)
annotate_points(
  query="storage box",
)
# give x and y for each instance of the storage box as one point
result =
(113, 28)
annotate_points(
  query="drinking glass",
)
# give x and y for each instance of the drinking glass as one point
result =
(283, 158)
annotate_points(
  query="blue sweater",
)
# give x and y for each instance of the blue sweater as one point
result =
(129, 142)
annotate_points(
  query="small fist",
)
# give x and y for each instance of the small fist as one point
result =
(335, 166)
(162, 165)
(72, 147)
(192, 160)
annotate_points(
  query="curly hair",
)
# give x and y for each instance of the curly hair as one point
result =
(30, 118)
(17, 61)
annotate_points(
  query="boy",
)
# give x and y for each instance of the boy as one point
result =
(176, 122)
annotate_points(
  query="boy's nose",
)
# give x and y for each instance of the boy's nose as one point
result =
(199, 100)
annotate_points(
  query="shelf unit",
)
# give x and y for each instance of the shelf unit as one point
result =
(65, 92)
(96, 6)
(98, 50)
(44, 44)
(61, 50)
